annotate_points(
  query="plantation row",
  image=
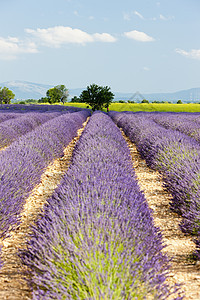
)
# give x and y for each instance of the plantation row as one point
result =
(24, 161)
(13, 128)
(170, 144)
(17, 120)
(185, 123)
(20, 108)
(95, 238)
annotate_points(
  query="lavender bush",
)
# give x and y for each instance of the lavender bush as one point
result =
(24, 161)
(177, 156)
(23, 108)
(12, 129)
(4, 116)
(95, 238)
(187, 124)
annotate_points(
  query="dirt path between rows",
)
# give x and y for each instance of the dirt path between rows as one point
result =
(178, 246)
(12, 284)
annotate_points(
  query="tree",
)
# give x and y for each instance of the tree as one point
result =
(75, 99)
(144, 101)
(31, 101)
(43, 100)
(179, 102)
(6, 95)
(58, 93)
(97, 96)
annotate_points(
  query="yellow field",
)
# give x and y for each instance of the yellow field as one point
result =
(191, 107)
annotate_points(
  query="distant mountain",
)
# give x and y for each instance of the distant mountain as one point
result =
(28, 90)
(190, 95)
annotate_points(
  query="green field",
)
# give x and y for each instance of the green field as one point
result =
(191, 107)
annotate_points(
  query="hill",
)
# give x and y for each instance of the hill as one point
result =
(190, 95)
(28, 90)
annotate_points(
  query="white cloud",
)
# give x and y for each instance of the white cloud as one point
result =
(104, 37)
(194, 53)
(146, 69)
(161, 17)
(60, 35)
(138, 14)
(56, 36)
(128, 15)
(11, 47)
(139, 36)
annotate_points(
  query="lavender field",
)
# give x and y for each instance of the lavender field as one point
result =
(95, 237)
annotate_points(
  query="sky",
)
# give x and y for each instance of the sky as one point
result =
(129, 45)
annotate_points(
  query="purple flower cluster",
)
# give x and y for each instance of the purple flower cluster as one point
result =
(95, 238)
(12, 129)
(187, 124)
(24, 161)
(39, 108)
(176, 155)
(4, 116)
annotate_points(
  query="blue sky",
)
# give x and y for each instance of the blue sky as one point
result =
(129, 45)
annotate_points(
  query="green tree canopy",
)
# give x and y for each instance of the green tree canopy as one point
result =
(58, 93)
(97, 96)
(144, 101)
(75, 99)
(6, 95)
(43, 100)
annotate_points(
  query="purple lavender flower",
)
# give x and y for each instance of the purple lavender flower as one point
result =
(12, 129)
(24, 161)
(176, 154)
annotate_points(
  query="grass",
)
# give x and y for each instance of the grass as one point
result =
(190, 107)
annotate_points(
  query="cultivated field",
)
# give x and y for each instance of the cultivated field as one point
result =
(191, 107)
(101, 206)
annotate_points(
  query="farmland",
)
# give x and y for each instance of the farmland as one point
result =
(151, 107)
(75, 221)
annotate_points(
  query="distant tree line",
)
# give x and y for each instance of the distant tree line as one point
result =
(95, 96)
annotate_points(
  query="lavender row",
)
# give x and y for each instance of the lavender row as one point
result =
(12, 129)
(23, 163)
(37, 107)
(177, 156)
(4, 116)
(96, 238)
(186, 123)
